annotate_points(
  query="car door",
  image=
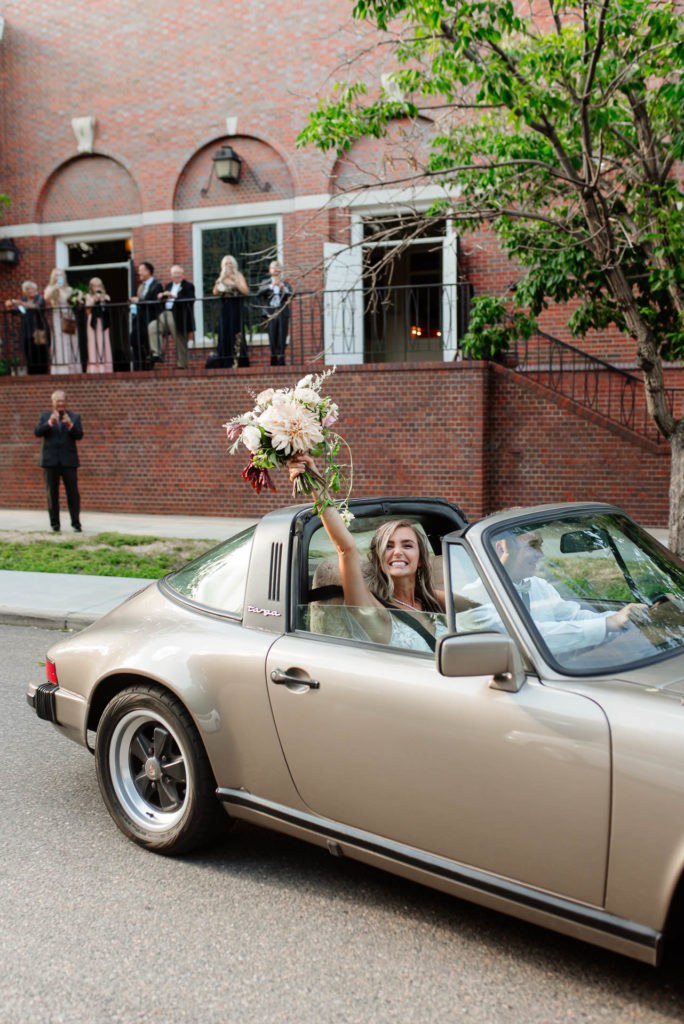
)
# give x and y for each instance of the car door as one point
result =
(517, 784)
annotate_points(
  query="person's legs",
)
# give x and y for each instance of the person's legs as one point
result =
(180, 340)
(51, 477)
(139, 348)
(70, 478)
(154, 332)
(283, 324)
(272, 328)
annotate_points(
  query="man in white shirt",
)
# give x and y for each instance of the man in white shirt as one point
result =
(564, 625)
(176, 318)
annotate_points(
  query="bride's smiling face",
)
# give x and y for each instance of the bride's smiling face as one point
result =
(402, 555)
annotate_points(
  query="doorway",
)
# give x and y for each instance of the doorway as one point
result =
(109, 259)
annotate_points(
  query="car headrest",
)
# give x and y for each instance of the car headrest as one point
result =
(327, 582)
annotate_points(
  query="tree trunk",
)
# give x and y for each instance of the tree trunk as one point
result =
(676, 539)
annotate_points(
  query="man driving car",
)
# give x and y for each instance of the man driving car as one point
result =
(564, 624)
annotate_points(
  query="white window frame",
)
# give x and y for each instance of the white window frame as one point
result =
(208, 225)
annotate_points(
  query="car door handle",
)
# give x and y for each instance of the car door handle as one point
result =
(284, 678)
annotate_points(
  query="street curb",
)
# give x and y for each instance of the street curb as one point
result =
(46, 619)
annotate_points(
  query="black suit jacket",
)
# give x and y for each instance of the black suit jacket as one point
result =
(182, 306)
(59, 443)
(149, 308)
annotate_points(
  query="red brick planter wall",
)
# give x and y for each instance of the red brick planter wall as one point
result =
(461, 431)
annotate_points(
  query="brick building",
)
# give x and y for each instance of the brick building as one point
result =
(111, 117)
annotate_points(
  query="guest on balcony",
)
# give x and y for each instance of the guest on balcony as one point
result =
(144, 309)
(65, 357)
(34, 335)
(99, 346)
(276, 297)
(232, 288)
(176, 317)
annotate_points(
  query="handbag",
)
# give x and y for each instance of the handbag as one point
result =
(39, 337)
(68, 325)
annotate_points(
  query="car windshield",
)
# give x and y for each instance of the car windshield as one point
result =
(600, 593)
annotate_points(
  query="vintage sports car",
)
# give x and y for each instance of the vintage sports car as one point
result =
(524, 751)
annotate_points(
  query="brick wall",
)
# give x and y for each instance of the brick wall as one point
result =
(464, 432)
(539, 450)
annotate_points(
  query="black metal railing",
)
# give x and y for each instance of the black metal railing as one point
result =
(609, 391)
(387, 324)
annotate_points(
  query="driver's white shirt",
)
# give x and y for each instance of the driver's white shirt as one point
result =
(564, 624)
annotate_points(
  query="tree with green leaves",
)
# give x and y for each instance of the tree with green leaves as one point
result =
(560, 125)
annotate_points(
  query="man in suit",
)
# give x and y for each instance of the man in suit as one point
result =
(144, 309)
(176, 317)
(60, 429)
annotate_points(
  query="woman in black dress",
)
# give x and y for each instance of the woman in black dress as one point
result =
(232, 287)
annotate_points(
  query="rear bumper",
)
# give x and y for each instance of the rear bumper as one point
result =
(67, 711)
(43, 701)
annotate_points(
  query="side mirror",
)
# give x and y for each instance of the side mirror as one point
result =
(481, 654)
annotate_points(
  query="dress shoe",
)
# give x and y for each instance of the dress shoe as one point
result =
(55, 529)
(78, 528)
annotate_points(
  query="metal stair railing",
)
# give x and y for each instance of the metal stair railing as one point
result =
(609, 391)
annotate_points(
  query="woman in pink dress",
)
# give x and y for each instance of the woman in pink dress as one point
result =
(99, 346)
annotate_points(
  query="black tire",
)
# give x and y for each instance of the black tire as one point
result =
(153, 772)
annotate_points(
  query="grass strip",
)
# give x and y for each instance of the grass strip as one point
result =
(103, 554)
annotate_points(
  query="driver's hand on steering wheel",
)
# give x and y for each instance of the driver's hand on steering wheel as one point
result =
(620, 620)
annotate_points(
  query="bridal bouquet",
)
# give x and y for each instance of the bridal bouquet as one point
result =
(290, 422)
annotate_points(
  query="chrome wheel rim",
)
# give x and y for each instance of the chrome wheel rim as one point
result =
(150, 770)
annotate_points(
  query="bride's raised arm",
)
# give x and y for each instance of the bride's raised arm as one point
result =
(356, 591)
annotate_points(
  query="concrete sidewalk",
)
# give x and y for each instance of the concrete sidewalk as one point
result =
(200, 527)
(65, 601)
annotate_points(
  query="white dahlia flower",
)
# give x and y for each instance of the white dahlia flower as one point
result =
(293, 427)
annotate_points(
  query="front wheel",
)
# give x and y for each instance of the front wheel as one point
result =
(153, 771)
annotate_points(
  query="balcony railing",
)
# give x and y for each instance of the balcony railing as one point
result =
(390, 324)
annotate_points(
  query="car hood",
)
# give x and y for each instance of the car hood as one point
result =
(666, 676)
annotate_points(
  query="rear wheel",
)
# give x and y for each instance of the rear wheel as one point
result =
(153, 771)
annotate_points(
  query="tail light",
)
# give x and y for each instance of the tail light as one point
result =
(51, 672)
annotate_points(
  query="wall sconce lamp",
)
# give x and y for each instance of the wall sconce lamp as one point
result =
(9, 253)
(227, 166)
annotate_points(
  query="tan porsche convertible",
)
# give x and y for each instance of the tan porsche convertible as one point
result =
(523, 750)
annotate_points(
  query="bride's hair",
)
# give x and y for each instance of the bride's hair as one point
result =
(382, 585)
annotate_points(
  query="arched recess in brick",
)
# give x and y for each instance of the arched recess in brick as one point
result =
(88, 187)
(262, 166)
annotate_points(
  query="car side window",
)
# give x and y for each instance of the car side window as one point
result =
(326, 613)
(218, 578)
(474, 610)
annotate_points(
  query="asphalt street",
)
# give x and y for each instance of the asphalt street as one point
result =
(257, 930)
